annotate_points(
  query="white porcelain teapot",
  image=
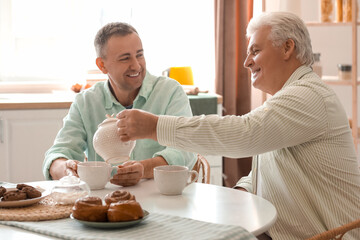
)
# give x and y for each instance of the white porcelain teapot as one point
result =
(108, 145)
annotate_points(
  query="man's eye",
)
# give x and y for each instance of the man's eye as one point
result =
(124, 59)
(140, 55)
(253, 52)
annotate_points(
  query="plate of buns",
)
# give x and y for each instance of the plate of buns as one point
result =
(110, 225)
(21, 196)
(119, 209)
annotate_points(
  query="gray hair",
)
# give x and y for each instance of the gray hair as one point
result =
(284, 26)
(109, 30)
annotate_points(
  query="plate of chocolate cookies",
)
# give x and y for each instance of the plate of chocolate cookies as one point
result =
(21, 196)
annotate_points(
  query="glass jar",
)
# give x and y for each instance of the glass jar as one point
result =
(344, 72)
(317, 67)
(69, 189)
(326, 8)
(347, 10)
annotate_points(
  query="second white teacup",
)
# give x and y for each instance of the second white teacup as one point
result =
(172, 179)
(95, 174)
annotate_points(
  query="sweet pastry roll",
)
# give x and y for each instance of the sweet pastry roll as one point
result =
(90, 209)
(127, 210)
(117, 196)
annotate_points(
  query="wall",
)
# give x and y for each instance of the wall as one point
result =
(335, 46)
(334, 43)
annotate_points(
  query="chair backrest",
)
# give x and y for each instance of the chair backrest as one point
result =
(202, 166)
(337, 233)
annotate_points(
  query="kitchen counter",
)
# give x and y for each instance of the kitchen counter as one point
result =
(58, 100)
(20, 101)
(28, 117)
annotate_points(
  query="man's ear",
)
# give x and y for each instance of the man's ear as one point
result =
(289, 48)
(101, 66)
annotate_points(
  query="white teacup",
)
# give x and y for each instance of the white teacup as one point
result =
(172, 179)
(95, 174)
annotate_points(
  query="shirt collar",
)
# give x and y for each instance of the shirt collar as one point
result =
(297, 74)
(145, 91)
(147, 86)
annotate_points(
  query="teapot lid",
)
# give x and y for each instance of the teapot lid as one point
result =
(109, 118)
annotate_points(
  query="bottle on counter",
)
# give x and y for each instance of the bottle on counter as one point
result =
(317, 66)
(344, 71)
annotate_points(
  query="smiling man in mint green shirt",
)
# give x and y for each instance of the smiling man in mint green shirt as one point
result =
(121, 57)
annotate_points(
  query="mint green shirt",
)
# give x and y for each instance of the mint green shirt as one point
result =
(158, 95)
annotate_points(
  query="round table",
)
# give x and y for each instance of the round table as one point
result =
(203, 202)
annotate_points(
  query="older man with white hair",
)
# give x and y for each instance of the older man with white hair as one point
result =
(304, 157)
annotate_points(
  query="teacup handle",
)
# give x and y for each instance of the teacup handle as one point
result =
(194, 175)
(111, 169)
(166, 72)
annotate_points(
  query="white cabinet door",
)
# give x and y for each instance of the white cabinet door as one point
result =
(215, 163)
(216, 172)
(25, 136)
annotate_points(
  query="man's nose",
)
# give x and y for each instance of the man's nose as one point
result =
(248, 61)
(134, 64)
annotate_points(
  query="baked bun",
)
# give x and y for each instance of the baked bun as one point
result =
(117, 196)
(90, 209)
(127, 210)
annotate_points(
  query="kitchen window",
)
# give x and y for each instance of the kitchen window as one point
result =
(49, 43)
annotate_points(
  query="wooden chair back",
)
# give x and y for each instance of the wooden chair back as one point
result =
(202, 166)
(337, 233)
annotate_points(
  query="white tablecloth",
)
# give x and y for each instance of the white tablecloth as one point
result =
(155, 226)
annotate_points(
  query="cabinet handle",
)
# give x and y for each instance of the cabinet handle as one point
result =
(1, 131)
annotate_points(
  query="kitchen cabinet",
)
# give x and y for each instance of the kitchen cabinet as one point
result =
(25, 136)
(216, 174)
(204, 103)
(27, 132)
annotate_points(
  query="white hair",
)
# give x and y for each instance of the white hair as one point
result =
(284, 26)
